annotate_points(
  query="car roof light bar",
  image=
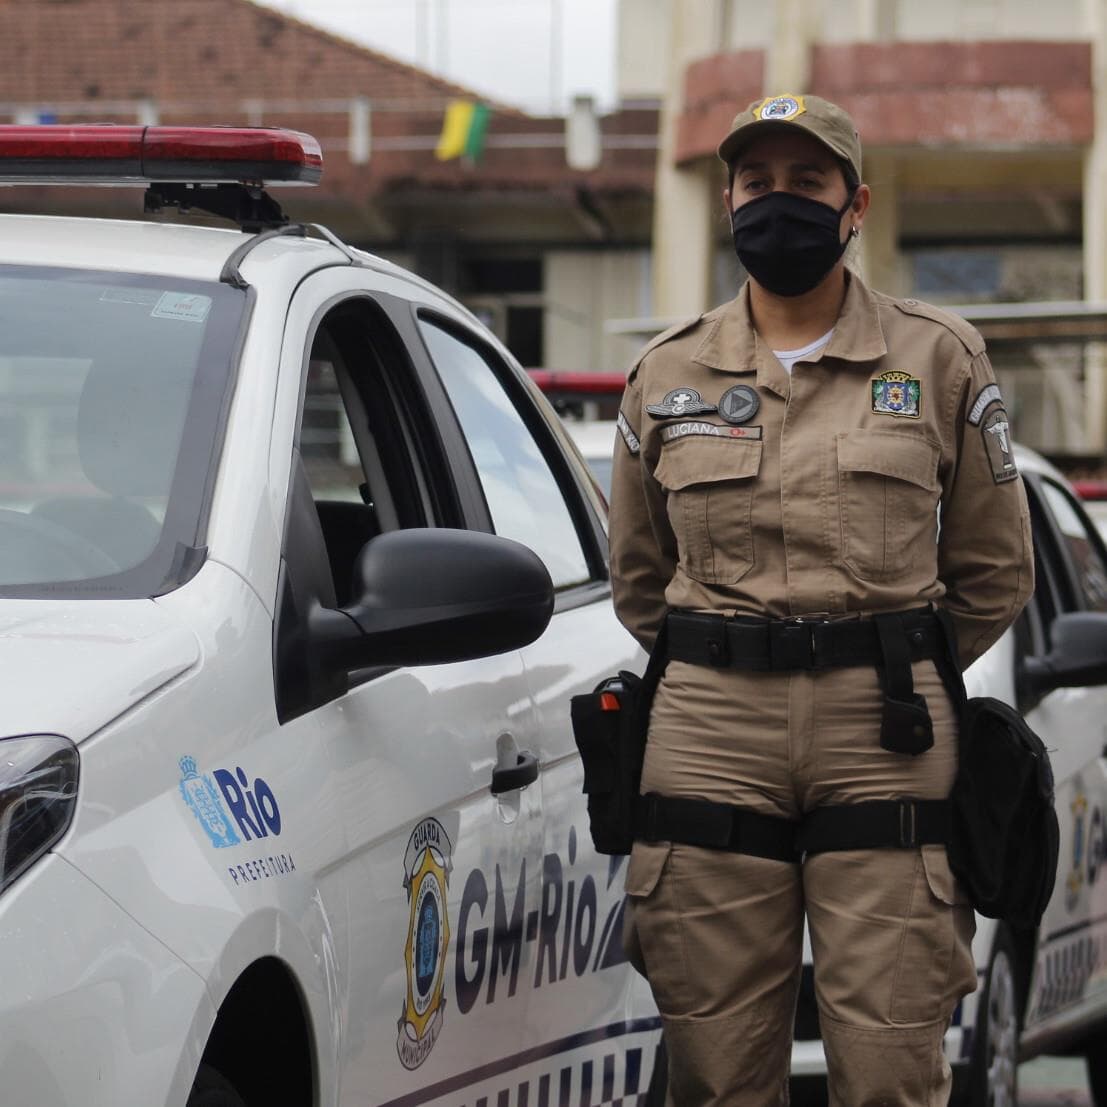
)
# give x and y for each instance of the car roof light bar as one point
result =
(555, 382)
(121, 154)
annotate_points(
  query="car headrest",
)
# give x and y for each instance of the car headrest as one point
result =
(129, 425)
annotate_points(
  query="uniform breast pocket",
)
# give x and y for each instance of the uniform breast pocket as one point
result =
(709, 482)
(888, 500)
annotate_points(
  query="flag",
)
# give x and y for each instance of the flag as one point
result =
(463, 131)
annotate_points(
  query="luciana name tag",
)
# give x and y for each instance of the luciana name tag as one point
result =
(709, 430)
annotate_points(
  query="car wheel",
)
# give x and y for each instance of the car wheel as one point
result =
(993, 1076)
(212, 1089)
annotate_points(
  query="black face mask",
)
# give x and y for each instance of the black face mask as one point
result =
(788, 243)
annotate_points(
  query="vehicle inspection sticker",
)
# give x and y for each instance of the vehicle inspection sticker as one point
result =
(182, 305)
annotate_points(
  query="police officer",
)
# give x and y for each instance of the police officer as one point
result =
(813, 482)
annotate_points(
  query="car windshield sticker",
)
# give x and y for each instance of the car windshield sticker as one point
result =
(989, 394)
(428, 861)
(997, 442)
(629, 437)
(144, 297)
(680, 402)
(711, 430)
(739, 404)
(897, 393)
(182, 305)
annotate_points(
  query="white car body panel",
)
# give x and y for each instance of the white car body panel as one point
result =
(70, 668)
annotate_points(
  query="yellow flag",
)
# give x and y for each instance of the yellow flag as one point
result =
(455, 129)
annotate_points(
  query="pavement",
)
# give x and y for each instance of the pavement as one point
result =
(1054, 1082)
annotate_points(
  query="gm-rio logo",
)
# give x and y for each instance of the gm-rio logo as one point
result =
(252, 805)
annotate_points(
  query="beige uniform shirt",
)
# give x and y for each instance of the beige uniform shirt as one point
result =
(877, 477)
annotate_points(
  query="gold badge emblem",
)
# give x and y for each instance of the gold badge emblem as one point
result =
(427, 865)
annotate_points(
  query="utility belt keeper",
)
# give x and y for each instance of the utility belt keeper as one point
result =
(998, 825)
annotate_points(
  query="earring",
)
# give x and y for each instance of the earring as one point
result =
(855, 232)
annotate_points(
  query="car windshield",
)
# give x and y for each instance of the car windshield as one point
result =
(111, 388)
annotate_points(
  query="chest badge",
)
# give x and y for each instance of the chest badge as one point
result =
(679, 402)
(897, 393)
(739, 404)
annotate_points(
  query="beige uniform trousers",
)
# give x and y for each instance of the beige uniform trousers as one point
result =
(720, 934)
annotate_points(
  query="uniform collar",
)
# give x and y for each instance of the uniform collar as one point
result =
(731, 344)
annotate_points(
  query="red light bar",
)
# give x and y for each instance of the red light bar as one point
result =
(115, 154)
(581, 384)
(1090, 489)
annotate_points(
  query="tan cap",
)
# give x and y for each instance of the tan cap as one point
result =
(818, 117)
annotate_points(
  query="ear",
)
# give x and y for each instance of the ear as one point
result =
(726, 202)
(861, 200)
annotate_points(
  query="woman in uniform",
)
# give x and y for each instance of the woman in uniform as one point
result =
(815, 497)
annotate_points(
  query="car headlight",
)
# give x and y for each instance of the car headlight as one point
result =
(38, 793)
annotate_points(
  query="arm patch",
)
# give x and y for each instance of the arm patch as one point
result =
(989, 394)
(627, 431)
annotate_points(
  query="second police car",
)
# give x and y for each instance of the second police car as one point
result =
(298, 572)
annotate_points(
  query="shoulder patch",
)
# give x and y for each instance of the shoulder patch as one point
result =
(660, 339)
(962, 328)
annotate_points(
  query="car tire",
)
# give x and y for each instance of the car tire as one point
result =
(1096, 1057)
(657, 1092)
(993, 1071)
(212, 1089)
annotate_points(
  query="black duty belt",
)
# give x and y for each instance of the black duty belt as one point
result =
(785, 645)
(875, 824)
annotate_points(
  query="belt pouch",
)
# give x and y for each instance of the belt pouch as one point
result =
(609, 727)
(905, 725)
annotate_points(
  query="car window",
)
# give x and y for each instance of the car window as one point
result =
(353, 438)
(523, 495)
(1082, 545)
(111, 392)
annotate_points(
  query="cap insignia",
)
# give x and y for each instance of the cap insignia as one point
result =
(780, 107)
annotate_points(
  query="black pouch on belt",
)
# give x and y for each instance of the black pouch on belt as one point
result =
(609, 727)
(905, 726)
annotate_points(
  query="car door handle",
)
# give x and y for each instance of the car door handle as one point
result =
(523, 772)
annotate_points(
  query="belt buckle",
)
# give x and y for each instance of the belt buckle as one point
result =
(792, 642)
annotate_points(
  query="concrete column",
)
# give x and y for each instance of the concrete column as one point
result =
(796, 25)
(687, 201)
(878, 259)
(1095, 232)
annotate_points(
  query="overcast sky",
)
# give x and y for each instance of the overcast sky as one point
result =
(533, 53)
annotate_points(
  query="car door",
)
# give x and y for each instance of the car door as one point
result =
(412, 832)
(594, 1027)
(1071, 568)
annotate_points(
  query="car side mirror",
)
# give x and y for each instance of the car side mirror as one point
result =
(1078, 657)
(428, 596)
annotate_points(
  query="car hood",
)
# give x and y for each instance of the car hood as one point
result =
(72, 667)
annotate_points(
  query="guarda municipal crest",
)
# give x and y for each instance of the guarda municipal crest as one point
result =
(428, 861)
(897, 393)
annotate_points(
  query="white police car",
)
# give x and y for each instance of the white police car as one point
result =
(1042, 992)
(290, 809)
